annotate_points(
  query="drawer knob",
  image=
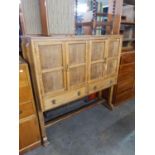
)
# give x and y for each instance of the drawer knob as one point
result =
(78, 93)
(20, 112)
(53, 101)
(95, 88)
(111, 81)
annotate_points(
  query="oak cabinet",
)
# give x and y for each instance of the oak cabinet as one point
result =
(70, 67)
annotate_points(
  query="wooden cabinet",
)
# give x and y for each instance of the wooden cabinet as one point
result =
(124, 89)
(29, 133)
(67, 68)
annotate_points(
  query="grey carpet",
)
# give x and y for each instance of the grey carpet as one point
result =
(97, 131)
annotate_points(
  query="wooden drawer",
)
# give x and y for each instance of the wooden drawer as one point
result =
(23, 79)
(28, 132)
(25, 94)
(125, 75)
(127, 58)
(57, 101)
(99, 85)
(130, 68)
(125, 85)
(124, 96)
(26, 109)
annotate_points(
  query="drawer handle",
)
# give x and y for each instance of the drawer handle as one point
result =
(53, 101)
(94, 87)
(78, 93)
(111, 81)
(20, 112)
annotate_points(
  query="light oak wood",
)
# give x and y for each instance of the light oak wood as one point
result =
(67, 68)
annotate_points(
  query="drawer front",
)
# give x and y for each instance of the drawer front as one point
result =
(122, 97)
(23, 79)
(125, 85)
(125, 75)
(28, 132)
(127, 58)
(60, 100)
(25, 94)
(130, 68)
(97, 86)
(26, 109)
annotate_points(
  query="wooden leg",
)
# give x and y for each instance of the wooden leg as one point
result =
(44, 138)
(109, 104)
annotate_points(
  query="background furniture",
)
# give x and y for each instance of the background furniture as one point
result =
(47, 17)
(29, 132)
(65, 69)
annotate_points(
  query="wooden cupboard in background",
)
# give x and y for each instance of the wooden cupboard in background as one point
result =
(29, 132)
(66, 69)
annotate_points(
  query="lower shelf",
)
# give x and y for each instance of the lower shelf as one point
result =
(74, 112)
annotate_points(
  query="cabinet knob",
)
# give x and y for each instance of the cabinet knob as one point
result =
(111, 81)
(78, 93)
(94, 87)
(53, 101)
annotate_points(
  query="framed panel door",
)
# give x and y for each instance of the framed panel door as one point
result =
(97, 59)
(76, 63)
(51, 58)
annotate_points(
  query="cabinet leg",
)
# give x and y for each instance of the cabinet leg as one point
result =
(109, 104)
(45, 142)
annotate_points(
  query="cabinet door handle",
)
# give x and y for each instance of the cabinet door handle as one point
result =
(53, 101)
(78, 93)
(94, 87)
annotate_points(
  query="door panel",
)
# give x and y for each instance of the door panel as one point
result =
(77, 75)
(97, 59)
(97, 70)
(77, 53)
(98, 51)
(76, 60)
(53, 81)
(52, 66)
(51, 56)
(113, 48)
(111, 67)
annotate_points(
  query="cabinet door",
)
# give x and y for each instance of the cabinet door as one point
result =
(76, 62)
(52, 67)
(97, 59)
(28, 132)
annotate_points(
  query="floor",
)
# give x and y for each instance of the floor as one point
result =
(97, 131)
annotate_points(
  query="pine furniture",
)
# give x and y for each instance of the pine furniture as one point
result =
(29, 132)
(67, 68)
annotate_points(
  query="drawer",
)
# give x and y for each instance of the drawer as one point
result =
(130, 68)
(26, 109)
(127, 58)
(97, 86)
(28, 133)
(60, 100)
(23, 79)
(125, 75)
(25, 94)
(124, 96)
(125, 85)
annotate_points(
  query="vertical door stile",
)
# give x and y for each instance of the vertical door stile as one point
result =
(38, 72)
(64, 65)
(67, 65)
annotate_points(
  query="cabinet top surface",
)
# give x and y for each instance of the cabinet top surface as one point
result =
(71, 37)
